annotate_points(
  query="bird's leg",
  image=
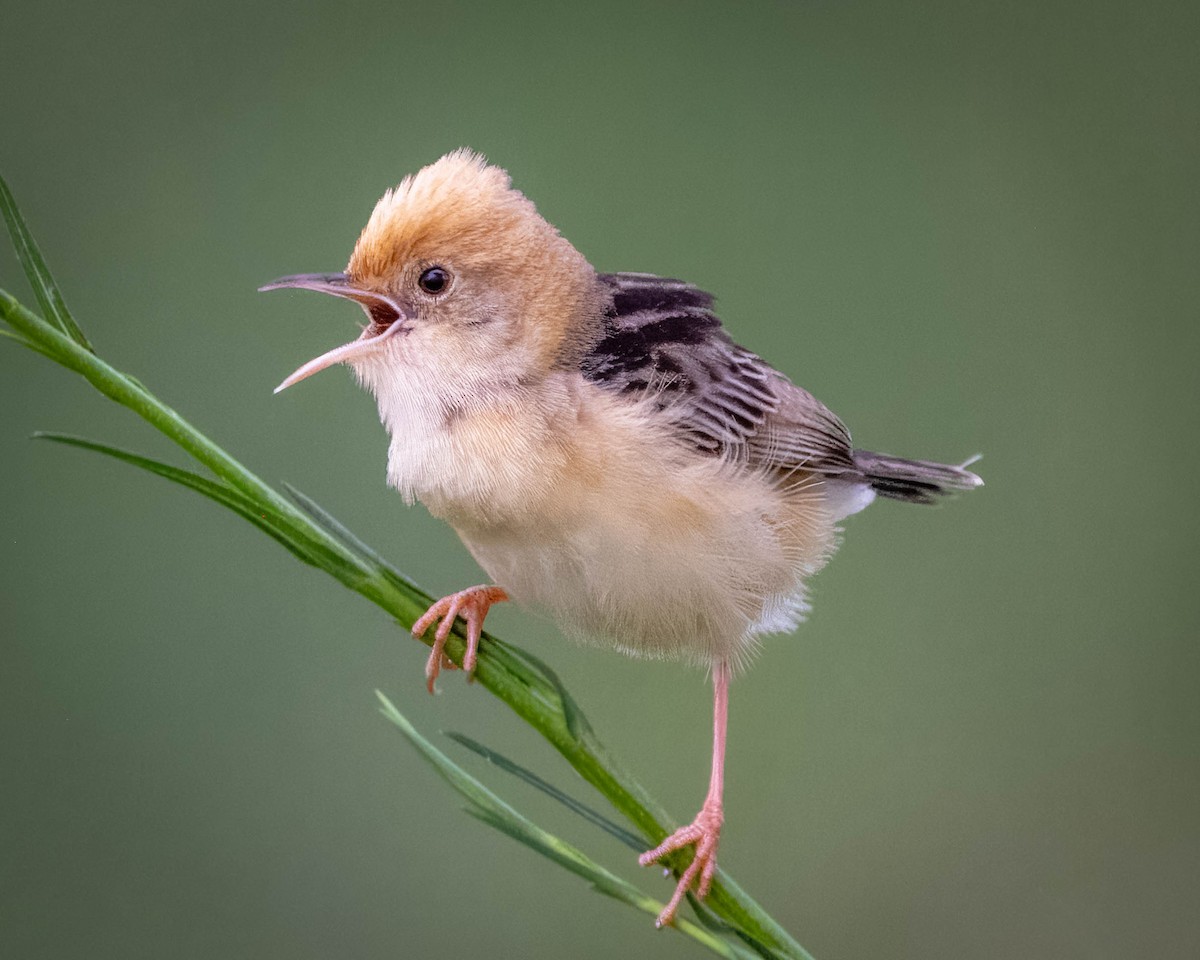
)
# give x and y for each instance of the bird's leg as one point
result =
(472, 605)
(705, 831)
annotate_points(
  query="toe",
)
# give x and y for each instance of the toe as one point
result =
(428, 618)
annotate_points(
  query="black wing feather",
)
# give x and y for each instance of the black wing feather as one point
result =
(662, 338)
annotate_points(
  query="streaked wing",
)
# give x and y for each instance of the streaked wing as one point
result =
(662, 338)
(804, 433)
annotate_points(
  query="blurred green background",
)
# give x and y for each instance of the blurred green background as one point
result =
(964, 227)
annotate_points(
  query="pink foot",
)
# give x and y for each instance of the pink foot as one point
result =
(705, 833)
(472, 605)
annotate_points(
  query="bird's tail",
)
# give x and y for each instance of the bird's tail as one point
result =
(914, 481)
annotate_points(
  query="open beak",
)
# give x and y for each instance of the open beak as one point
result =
(387, 319)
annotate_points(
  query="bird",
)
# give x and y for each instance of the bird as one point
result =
(601, 445)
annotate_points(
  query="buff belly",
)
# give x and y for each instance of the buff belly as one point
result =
(692, 563)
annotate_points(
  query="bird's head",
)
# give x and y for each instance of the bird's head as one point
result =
(460, 276)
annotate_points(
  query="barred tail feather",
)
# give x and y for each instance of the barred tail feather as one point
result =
(914, 481)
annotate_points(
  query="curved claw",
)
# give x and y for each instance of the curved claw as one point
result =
(472, 605)
(705, 834)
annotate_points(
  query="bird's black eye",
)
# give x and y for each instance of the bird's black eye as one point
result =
(434, 280)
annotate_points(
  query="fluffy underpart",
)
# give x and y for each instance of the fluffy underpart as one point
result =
(589, 508)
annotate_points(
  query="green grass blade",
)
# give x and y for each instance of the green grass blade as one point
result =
(130, 393)
(334, 526)
(631, 840)
(49, 297)
(26, 342)
(483, 804)
(577, 723)
(710, 921)
(305, 549)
